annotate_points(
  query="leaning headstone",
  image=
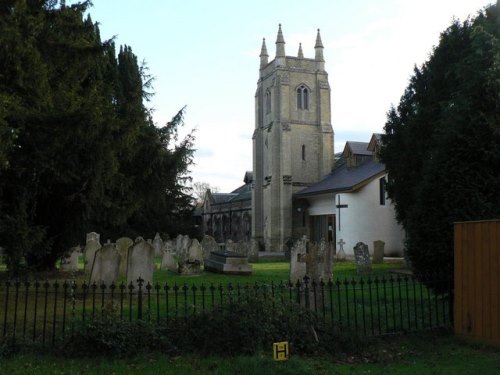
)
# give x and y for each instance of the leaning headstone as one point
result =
(297, 263)
(122, 246)
(362, 256)
(158, 245)
(90, 249)
(140, 262)
(69, 261)
(378, 252)
(341, 252)
(106, 265)
(208, 244)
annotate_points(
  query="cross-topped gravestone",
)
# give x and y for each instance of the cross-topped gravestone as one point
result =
(313, 260)
(362, 257)
(341, 252)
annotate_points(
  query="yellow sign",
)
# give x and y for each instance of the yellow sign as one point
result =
(280, 351)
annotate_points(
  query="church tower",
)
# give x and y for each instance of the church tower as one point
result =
(292, 140)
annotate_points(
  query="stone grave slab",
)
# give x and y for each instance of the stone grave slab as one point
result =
(228, 263)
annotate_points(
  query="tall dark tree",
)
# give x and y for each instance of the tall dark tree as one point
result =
(442, 143)
(80, 150)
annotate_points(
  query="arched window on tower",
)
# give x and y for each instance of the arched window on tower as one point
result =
(303, 152)
(302, 97)
(268, 101)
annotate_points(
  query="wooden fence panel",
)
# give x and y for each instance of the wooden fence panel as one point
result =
(477, 280)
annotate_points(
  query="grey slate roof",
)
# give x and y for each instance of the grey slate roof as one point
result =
(222, 197)
(358, 148)
(344, 179)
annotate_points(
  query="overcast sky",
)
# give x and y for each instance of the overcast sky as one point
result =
(205, 55)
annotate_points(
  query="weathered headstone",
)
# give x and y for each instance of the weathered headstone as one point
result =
(362, 256)
(208, 244)
(253, 253)
(140, 262)
(158, 245)
(378, 251)
(297, 264)
(93, 236)
(327, 251)
(69, 261)
(178, 243)
(184, 250)
(122, 245)
(195, 252)
(169, 261)
(190, 261)
(341, 252)
(106, 265)
(91, 247)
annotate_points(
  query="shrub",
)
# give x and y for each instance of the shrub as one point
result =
(239, 328)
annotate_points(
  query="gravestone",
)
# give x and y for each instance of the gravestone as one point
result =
(69, 261)
(190, 262)
(253, 252)
(140, 262)
(167, 260)
(341, 252)
(297, 265)
(228, 263)
(178, 243)
(123, 245)
(327, 249)
(183, 252)
(158, 245)
(362, 256)
(378, 252)
(208, 244)
(90, 249)
(106, 265)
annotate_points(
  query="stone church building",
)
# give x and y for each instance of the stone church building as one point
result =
(295, 187)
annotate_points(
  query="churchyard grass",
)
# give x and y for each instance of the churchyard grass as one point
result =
(421, 354)
(383, 305)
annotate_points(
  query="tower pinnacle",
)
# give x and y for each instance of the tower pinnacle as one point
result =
(318, 47)
(300, 55)
(263, 54)
(280, 47)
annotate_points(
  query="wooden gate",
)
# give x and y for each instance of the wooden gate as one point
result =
(477, 280)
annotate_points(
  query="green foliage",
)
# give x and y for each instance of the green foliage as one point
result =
(244, 327)
(79, 151)
(442, 143)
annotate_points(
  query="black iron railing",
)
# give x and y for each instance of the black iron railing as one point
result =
(43, 312)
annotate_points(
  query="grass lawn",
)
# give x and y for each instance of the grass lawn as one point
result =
(423, 354)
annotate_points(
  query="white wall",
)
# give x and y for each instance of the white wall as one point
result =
(321, 205)
(364, 220)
